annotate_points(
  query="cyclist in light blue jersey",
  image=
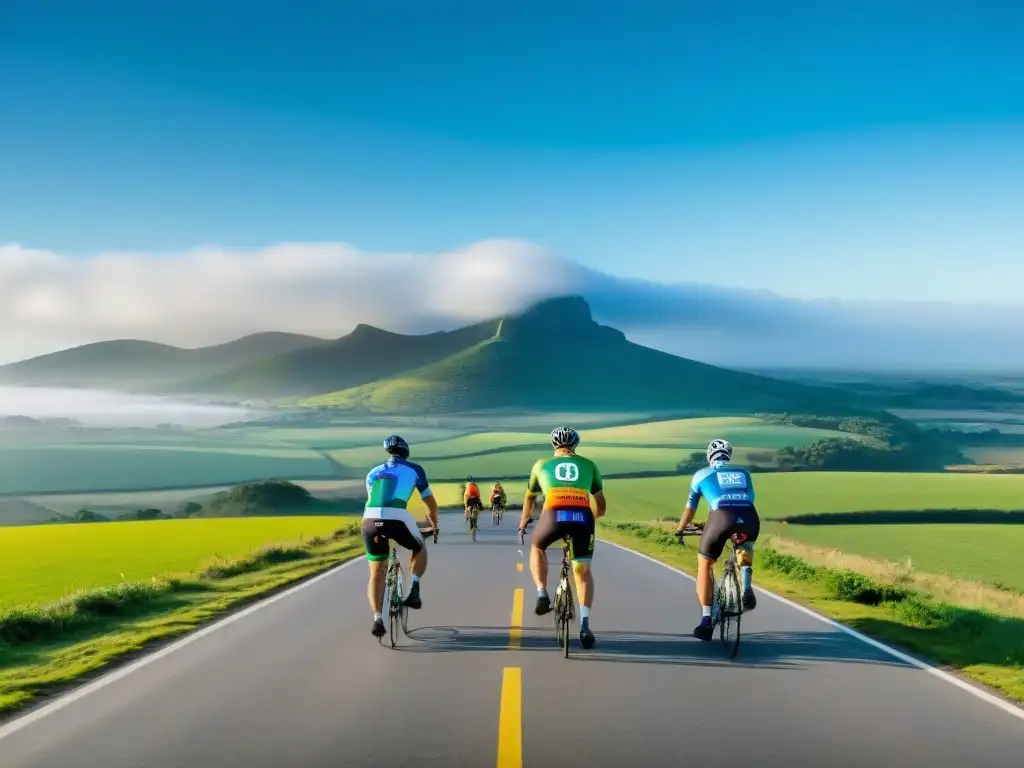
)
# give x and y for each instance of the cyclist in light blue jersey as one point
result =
(389, 486)
(729, 491)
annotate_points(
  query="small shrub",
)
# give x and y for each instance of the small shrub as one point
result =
(261, 559)
(34, 623)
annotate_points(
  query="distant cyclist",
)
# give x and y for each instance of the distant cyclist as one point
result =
(730, 493)
(473, 505)
(568, 481)
(498, 499)
(471, 497)
(389, 486)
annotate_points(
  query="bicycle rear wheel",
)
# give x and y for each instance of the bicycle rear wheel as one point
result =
(395, 608)
(730, 608)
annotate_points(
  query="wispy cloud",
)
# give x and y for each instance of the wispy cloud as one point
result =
(49, 301)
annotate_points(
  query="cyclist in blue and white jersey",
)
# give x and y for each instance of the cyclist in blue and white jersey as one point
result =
(729, 491)
(389, 486)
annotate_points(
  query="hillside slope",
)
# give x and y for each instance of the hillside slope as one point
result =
(15, 511)
(364, 355)
(145, 366)
(555, 357)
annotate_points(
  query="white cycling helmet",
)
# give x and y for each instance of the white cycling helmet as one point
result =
(565, 437)
(718, 450)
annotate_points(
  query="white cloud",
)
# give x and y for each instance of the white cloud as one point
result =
(49, 301)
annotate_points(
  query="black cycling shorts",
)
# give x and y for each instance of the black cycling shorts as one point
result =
(581, 533)
(723, 523)
(377, 532)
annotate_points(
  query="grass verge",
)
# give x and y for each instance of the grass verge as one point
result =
(977, 642)
(46, 648)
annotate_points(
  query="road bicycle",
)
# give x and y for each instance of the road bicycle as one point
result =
(727, 597)
(394, 590)
(565, 609)
(497, 512)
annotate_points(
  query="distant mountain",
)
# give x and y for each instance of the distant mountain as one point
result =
(938, 396)
(14, 511)
(364, 355)
(554, 356)
(145, 366)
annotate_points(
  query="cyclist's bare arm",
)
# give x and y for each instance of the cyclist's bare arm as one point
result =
(528, 502)
(687, 517)
(431, 503)
(601, 502)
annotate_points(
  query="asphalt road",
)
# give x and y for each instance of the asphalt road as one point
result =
(301, 682)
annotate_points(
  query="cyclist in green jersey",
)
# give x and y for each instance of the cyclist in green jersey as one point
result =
(568, 481)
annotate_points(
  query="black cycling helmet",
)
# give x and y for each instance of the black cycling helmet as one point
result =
(565, 437)
(396, 446)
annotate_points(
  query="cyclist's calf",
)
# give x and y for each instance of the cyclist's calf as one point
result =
(745, 554)
(418, 561)
(584, 582)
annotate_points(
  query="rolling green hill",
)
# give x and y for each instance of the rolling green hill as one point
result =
(364, 355)
(144, 366)
(555, 357)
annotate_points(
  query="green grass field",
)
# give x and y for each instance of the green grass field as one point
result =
(79, 468)
(75, 462)
(697, 433)
(1007, 456)
(983, 553)
(785, 494)
(42, 563)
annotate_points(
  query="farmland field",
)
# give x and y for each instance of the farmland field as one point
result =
(44, 562)
(94, 468)
(82, 461)
(977, 552)
(786, 494)
(696, 433)
(997, 455)
(206, 460)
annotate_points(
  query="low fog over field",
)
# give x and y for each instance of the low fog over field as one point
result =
(95, 408)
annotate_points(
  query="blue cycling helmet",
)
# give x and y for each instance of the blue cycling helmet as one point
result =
(396, 446)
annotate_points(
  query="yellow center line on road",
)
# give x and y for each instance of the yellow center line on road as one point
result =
(516, 629)
(519, 567)
(510, 718)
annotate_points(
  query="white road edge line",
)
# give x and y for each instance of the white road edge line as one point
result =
(122, 672)
(907, 659)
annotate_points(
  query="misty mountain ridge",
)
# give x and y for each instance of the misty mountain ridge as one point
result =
(553, 354)
(131, 365)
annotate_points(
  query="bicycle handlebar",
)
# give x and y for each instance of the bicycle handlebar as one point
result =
(690, 530)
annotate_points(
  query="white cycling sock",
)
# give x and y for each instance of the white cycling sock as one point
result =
(378, 616)
(584, 613)
(705, 611)
(747, 575)
(415, 579)
(542, 591)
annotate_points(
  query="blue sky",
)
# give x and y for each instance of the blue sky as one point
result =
(869, 150)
